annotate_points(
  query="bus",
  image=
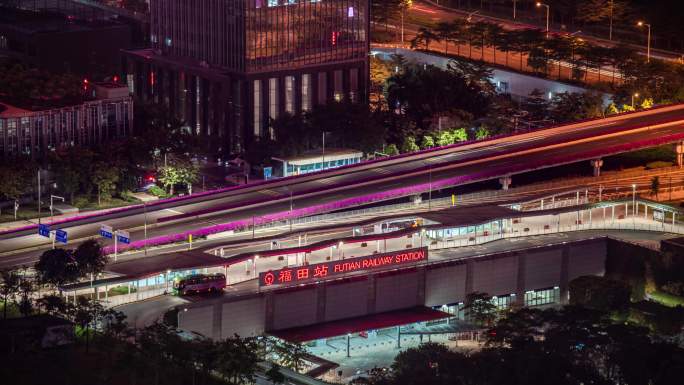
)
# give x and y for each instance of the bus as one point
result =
(198, 283)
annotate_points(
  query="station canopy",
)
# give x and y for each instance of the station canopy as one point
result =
(359, 324)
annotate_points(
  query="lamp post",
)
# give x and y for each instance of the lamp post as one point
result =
(634, 95)
(405, 4)
(633, 199)
(145, 226)
(648, 43)
(515, 3)
(610, 26)
(548, 9)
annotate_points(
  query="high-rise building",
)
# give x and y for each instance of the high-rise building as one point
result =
(228, 67)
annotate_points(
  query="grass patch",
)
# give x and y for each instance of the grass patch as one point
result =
(12, 310)
(120, 290)
(667, 299)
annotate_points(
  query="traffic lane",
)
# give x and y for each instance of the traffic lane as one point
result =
(283, 206)
(144, 313)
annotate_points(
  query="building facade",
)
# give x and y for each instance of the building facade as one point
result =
(34, 133)
(229, 67)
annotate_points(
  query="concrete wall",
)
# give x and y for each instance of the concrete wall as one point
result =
(437, 284)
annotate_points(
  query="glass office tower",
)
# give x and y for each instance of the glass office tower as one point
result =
(227, 67)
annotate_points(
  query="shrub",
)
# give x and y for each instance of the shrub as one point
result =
(658, 164)
(158, 192)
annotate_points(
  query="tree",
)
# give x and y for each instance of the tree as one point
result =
(481, 133)
(290, 354)
(237, 359)
(479, 308)
(178, 171)
(572, 106)
(26, 290)
(392, 149)
(57, 267)
(409, 145)
(444, 31)
(275, 375)
(90, 258)
(15, 179)
(655, 186)
(599, 293)
(8, 288)
(104, 177)
(425, 36)
(427, 142)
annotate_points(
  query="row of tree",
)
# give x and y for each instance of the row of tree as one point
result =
(572, 345)
(657, 79)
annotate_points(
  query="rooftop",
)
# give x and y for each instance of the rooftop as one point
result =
(359, 324)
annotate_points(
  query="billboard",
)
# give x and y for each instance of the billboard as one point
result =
(318, 271)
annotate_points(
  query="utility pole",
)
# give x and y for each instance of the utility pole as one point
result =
(39, 203)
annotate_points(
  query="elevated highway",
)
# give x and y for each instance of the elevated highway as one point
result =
(374, 181)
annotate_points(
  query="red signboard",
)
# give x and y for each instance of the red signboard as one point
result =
(298, 274)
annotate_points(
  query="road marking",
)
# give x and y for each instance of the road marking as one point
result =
(381, 170)
(174, 211)
(270, 192)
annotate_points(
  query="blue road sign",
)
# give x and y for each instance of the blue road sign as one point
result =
(44, 230)
(123, 236)
(268, 173)
(106, 231)
(61, 236)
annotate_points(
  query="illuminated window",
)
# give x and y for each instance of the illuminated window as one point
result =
(306, 92)
(257, 107)
(273, 98)
(289, 94)
(542, 297)
(339, 88)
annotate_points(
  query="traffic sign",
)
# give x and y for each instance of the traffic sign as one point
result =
(61, 236)
(44, 230)
(123, 236)
(107, 231)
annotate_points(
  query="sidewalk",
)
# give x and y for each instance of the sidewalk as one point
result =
(4, 226)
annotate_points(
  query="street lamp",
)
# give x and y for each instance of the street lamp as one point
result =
(515, 3)
(648, 44)
(634, 95)
(539, 4)
(406, 4)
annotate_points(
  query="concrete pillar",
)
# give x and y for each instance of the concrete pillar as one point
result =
(521, 281)
(470, 271)
(217, 321)
(679, 149)
(320, 302)
(269, 311)
(372, 290)
(645, 211)
(422, 278)
(596, 164)
(505, 182)
(564, 274)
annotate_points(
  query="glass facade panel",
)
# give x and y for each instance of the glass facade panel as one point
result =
(273, 102)
(294, 33)
(289, 94)
(542, 297)
(306, 92)
(257, 108)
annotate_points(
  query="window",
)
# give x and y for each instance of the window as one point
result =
(257, 108)
(273, 98)
(289, 94)
(339, 88)
(322, 88)
(306, 92)
(542, 297)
